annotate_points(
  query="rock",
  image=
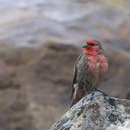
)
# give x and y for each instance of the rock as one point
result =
(97, 111)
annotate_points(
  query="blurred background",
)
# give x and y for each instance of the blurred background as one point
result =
(39, 43)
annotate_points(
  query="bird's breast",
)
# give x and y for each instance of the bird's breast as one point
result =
(98, 64)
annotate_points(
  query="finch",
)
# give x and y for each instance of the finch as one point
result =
(89, 70)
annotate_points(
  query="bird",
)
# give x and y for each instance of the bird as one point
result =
(89, 70)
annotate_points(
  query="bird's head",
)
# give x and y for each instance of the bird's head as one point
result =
(92, 47)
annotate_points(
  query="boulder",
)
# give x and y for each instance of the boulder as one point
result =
(96, 111)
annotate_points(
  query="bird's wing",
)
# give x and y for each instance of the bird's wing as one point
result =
(74, 77)
(74, 81)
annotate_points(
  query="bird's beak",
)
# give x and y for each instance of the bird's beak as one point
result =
(85, 46)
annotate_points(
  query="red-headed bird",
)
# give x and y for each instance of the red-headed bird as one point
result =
(89, 70)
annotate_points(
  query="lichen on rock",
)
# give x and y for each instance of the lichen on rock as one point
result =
(96, 111)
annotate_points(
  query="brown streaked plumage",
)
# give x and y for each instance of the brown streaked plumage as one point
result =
(89, 70)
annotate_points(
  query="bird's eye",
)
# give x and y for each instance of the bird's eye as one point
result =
(92, 44)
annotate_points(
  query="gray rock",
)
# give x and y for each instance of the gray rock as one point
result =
(97, 111)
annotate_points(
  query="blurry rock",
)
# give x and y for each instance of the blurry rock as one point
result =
(16, 116)
(96, 111)
(117, 82)
(17, 56)
(47, 77)
(7, 79)
(51, 71)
